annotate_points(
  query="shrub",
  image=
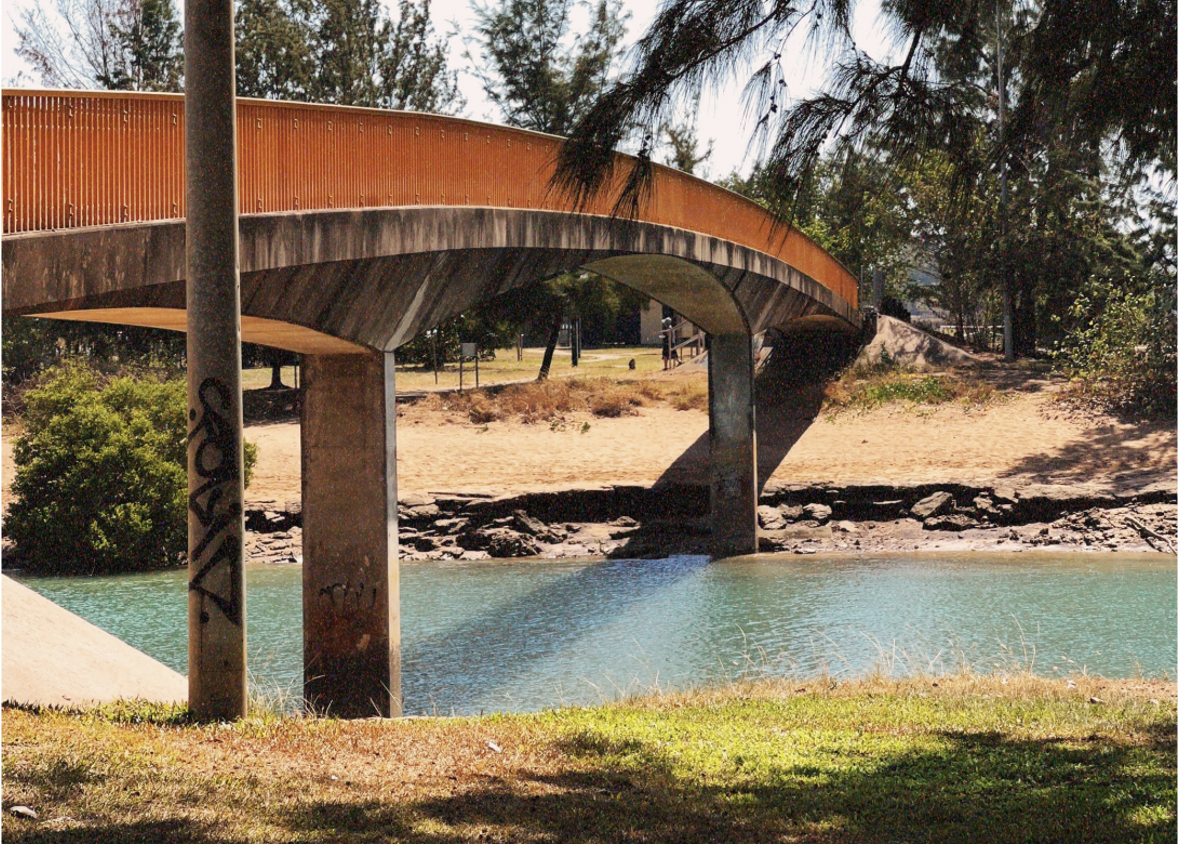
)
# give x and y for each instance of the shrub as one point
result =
(1123, 355)
(101, 479)
(614, 400)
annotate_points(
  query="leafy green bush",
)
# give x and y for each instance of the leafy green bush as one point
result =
(1123, 353)
(101, 480)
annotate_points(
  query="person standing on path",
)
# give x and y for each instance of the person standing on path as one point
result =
(666, 332)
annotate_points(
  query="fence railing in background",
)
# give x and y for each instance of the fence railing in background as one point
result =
(73, 159)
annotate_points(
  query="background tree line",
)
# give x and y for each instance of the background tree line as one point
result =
(1020, 150)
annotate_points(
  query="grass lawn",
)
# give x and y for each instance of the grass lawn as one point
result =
(504, 368)
(929, 759)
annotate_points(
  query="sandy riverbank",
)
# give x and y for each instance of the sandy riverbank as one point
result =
(1025, 439)
(1025, 442)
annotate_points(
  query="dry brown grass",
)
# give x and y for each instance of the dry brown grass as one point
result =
(555, 399)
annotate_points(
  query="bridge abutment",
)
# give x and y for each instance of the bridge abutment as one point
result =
(732, 442)
(351, 596)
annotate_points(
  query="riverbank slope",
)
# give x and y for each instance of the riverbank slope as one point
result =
(57, 659)
(1016, 471)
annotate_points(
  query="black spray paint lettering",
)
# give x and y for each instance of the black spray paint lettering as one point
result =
(216, 509)
(347, 599)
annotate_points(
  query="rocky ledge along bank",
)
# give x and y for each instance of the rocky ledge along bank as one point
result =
(656, 522)
(637, 522)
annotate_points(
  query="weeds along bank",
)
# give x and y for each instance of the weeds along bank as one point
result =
(959, 758)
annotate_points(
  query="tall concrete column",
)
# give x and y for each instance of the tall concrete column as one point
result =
(351, 598)
(216, 588)
(732, 444)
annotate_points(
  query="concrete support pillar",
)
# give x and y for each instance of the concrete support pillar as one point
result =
(732, 444)
(351, 599)
(216, 588)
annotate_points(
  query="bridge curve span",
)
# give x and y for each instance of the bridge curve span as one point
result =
(414, 216)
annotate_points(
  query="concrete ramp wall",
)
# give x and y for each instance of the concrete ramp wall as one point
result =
(52, 657)
(908, 346)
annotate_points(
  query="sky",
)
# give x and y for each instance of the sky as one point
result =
(721, 118)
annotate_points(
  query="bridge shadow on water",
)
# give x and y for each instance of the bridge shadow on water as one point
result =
(483, 657)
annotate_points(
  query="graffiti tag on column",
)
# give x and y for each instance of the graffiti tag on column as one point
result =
(216, 508)
(347, 599)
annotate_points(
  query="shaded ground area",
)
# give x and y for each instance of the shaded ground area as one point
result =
(948, 759)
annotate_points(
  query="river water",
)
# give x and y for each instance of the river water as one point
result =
(515, 636)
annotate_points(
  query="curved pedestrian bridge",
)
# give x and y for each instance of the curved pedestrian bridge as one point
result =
(359, 229)
(368, 226)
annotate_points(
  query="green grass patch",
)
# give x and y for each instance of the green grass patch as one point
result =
(864, 389)
(947, 759)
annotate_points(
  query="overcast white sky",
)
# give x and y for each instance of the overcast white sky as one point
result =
(721, 115)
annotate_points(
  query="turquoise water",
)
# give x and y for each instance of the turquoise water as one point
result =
(506, 635)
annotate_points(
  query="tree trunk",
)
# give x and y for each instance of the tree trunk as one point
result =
(276, 361)
(551, 347)
(1023, 318)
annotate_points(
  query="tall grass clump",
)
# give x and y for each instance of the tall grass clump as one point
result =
(868, 386)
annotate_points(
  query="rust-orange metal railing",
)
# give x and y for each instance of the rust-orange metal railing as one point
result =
(74, 159)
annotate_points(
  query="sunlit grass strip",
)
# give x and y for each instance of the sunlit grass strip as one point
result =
(928, 759)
